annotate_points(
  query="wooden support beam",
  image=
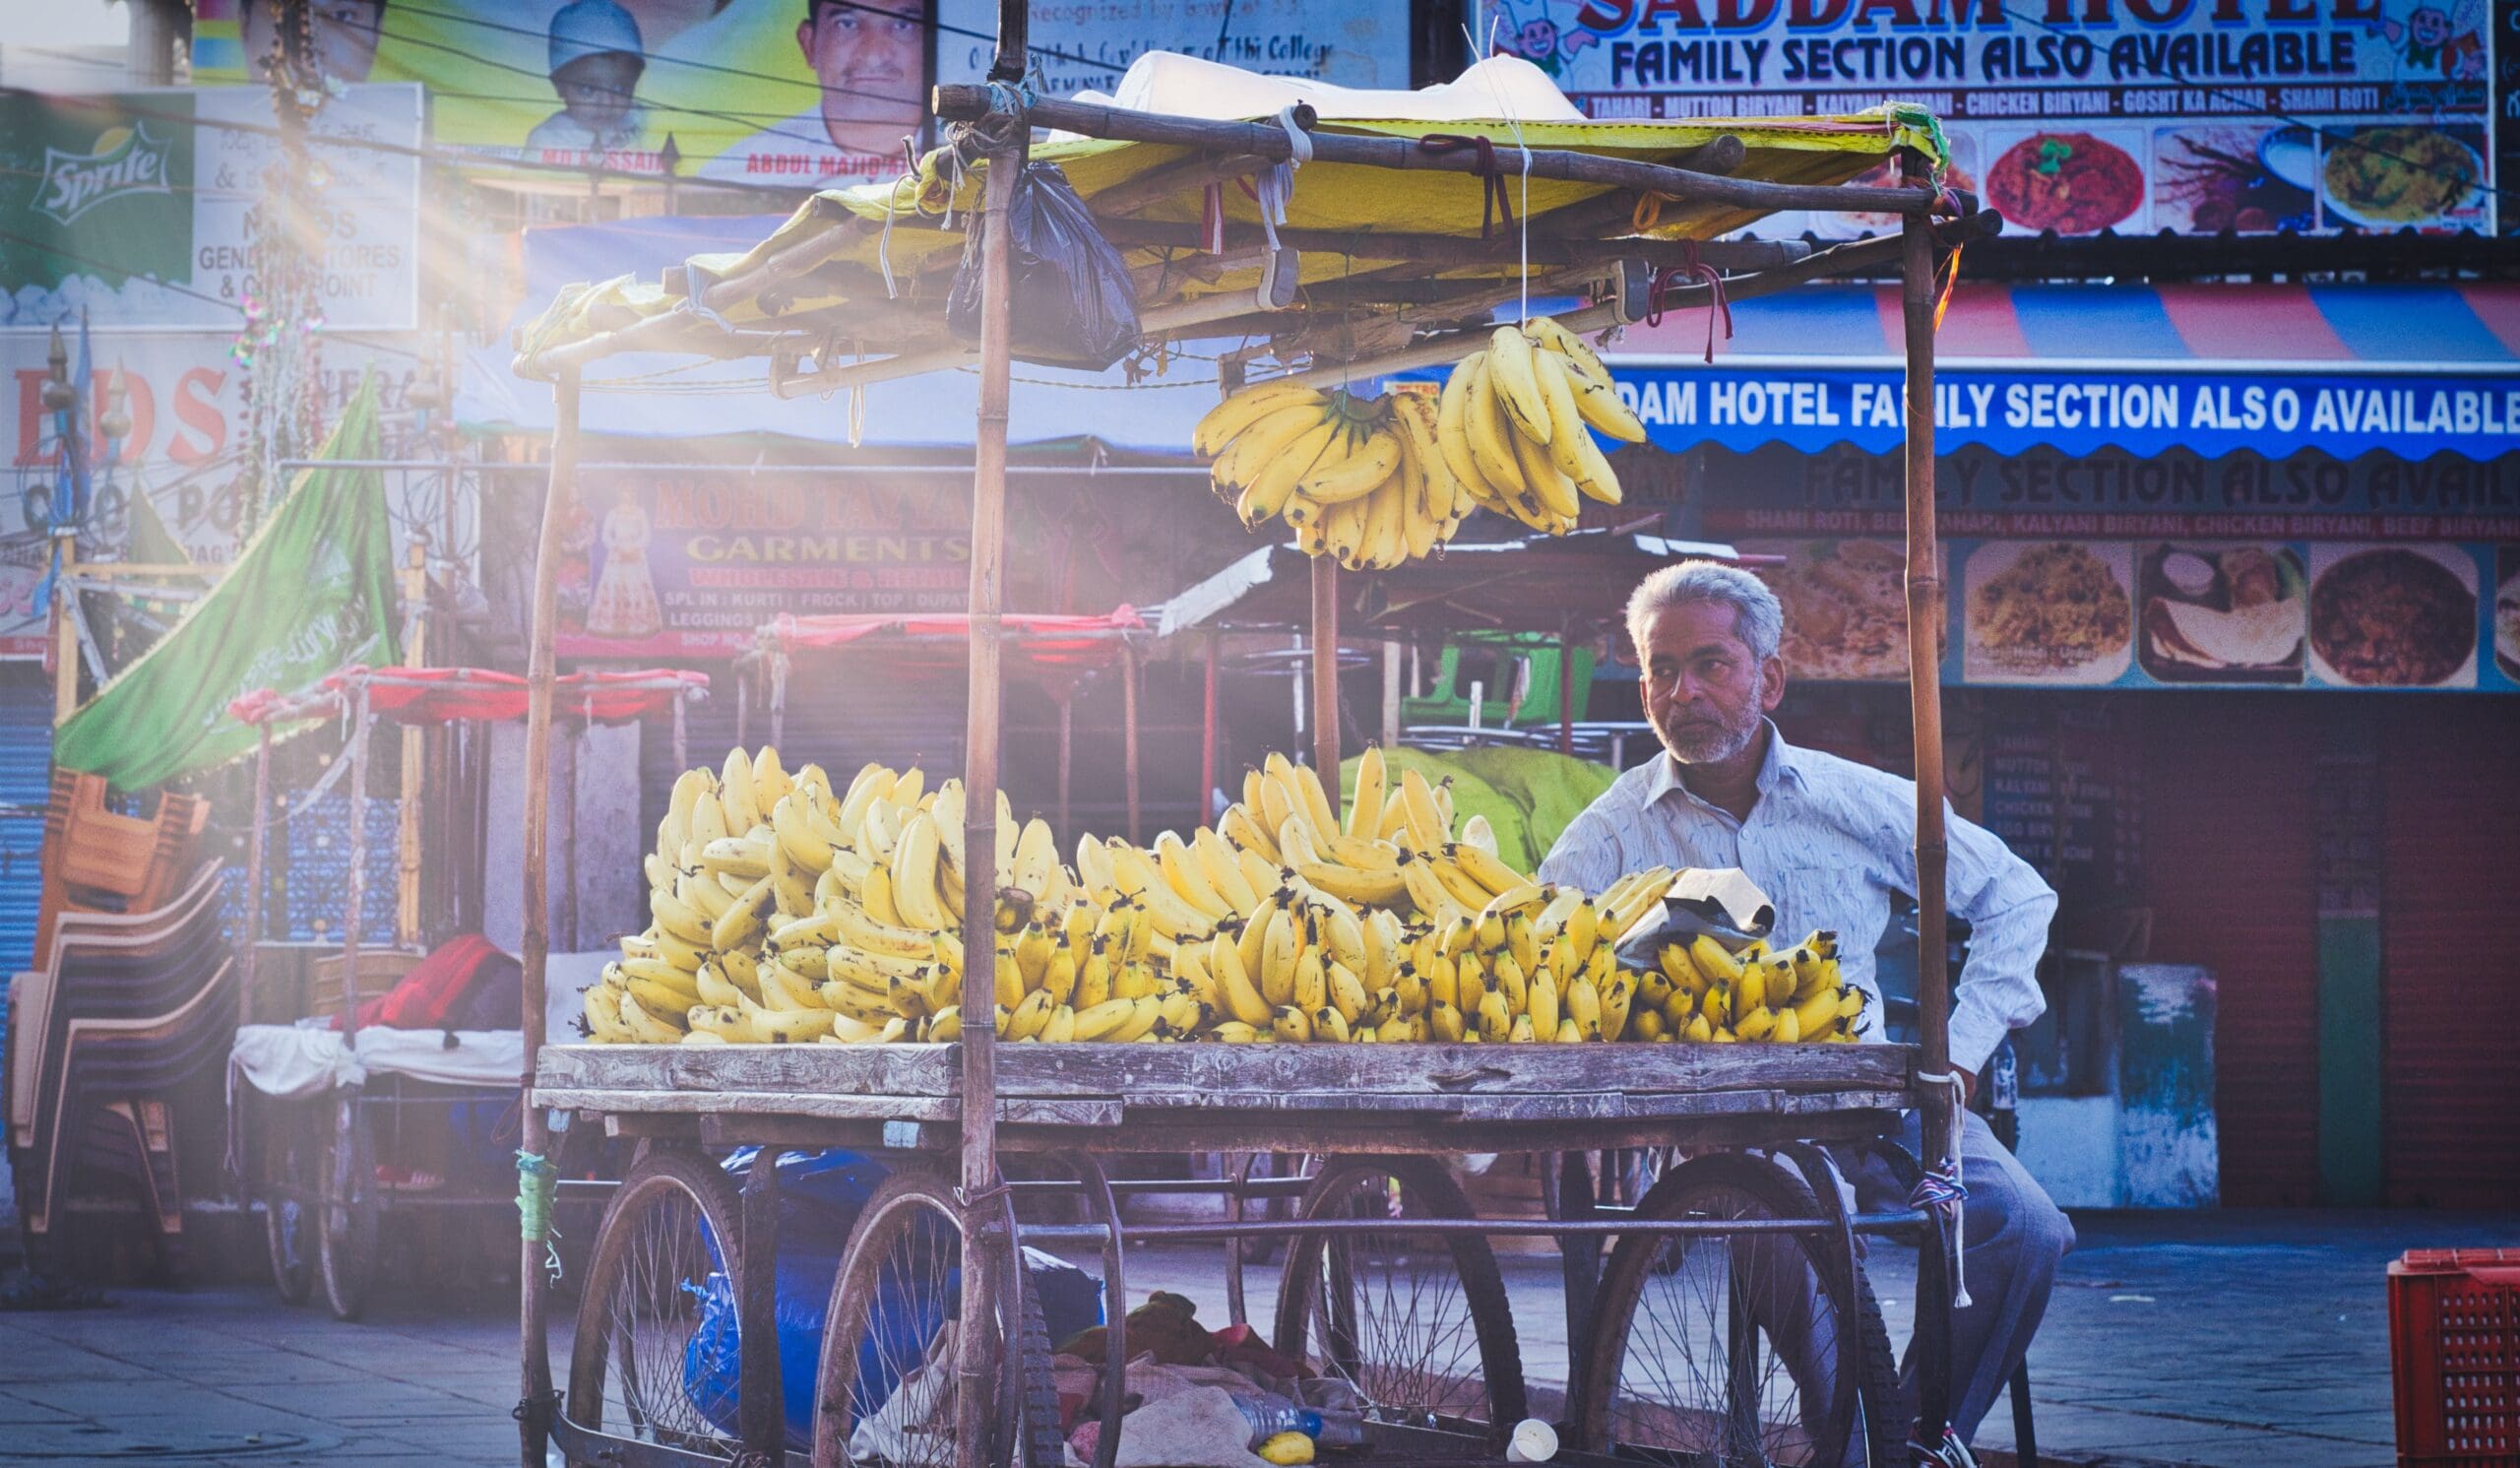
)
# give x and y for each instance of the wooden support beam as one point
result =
(1325, 673)
(1452, 346)
(963, 103)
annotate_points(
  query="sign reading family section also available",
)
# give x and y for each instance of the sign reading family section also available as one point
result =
(139, 209)
(2082, 116)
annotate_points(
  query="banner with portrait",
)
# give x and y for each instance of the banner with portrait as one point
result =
(785, 93)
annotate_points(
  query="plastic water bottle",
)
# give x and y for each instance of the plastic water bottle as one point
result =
(1270, 1414)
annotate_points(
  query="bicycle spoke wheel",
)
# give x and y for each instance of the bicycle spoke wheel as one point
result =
(1415, 1323)
(887, 1391)
(1747, 1349)
(658, 1310)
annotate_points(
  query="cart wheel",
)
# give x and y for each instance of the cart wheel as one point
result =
(667, 1250)
(886, 1388)
(1736, 1348)
(1416, 1323)
(346, 1211)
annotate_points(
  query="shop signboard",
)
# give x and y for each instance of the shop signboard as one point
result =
(139, 209)
(781, 93)
(184, 455)
(2213, 565)
(673, 564)
(2083, 115)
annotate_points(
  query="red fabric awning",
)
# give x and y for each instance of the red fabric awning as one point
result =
(457, 695)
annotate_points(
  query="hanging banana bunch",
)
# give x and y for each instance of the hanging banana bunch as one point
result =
(1514, 426)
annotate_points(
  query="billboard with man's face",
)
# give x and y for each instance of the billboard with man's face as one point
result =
(794, 93)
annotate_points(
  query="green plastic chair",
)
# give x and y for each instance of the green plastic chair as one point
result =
(1491, 663)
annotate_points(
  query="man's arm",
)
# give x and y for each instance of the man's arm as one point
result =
(2008, 907)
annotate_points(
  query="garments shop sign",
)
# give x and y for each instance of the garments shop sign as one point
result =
(2083, 115)
(688, 563)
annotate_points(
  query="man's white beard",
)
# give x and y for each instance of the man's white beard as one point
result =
(1701, 746)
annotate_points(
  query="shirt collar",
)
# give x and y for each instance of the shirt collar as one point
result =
(1782, 762)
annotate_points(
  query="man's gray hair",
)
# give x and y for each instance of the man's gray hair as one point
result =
(1758, 618)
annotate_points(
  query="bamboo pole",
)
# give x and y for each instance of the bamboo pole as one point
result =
(963, 103)
(406, 876)
(1926, 618)
(1566, 690)
(1325, 673)
(537, 1139)
(1208, 730)
(1129, 734)
(65, 645)
(260, 838)
(982, 1245)
(357, 904)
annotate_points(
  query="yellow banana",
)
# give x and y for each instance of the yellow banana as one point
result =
(1342, 479)
(1274, 486)
(1557, 493)
(1364, 805)
(914, 873)
(1510, 367)
(1596, 394)
(1243, 999)
(1224, 423)
(1291, 1024)
(1262, 444)
(742, 923)
(1713, 960)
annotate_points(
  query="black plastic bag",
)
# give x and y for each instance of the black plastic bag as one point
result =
(1073, 302)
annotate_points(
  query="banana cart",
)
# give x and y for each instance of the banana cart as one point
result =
(343, 1104)
(1389, 1285)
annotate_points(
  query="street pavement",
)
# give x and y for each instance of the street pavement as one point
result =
(2230, 1340)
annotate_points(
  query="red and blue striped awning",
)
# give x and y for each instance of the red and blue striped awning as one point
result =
(2465, 328)
(2413, 370)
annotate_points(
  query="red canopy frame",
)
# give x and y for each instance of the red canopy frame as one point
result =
(435, 697)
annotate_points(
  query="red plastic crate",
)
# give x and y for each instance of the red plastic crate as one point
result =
(2454, 1357)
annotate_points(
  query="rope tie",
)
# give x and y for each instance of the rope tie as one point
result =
(537, 1186)
(1648, 213)
(1494, 199)
(1941, 1188)
(1719, 307)
(1276, 185)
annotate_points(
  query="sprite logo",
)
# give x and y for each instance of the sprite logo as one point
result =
(124, 160)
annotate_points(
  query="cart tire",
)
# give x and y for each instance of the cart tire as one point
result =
(345, 1209)
(672, 1234)
(1690, 1397)
(905, 1248)
(1416, 1370)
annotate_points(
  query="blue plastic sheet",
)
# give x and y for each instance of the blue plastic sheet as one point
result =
(820, 1195)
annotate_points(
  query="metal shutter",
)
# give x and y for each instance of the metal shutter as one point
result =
(25, 773)
(2231, 873)
(2450, 1068)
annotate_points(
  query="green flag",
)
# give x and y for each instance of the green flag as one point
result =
(312, 593)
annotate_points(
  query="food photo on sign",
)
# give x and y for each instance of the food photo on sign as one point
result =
(2047, 612)
(2393, 617)
(2506, 609)
(2221, 614)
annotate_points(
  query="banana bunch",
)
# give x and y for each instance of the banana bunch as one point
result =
(1514, 426)
(785, 912)
(1355, 477)
(1701, 991)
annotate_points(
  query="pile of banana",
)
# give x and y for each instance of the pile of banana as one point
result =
(785, 910)
(1376, 482)
(1701, 991)
(1513, 425)
(1355, 477)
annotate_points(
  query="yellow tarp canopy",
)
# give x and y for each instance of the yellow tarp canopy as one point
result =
(906, 230)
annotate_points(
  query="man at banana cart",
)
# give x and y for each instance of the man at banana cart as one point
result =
(1830, 840)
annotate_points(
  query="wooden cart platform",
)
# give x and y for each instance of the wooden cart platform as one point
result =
(1178, 1098)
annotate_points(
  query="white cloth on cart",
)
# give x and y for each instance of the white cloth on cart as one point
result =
(294, 1060)
(1181, 86)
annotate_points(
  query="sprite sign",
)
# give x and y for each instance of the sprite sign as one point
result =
(138, 209)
